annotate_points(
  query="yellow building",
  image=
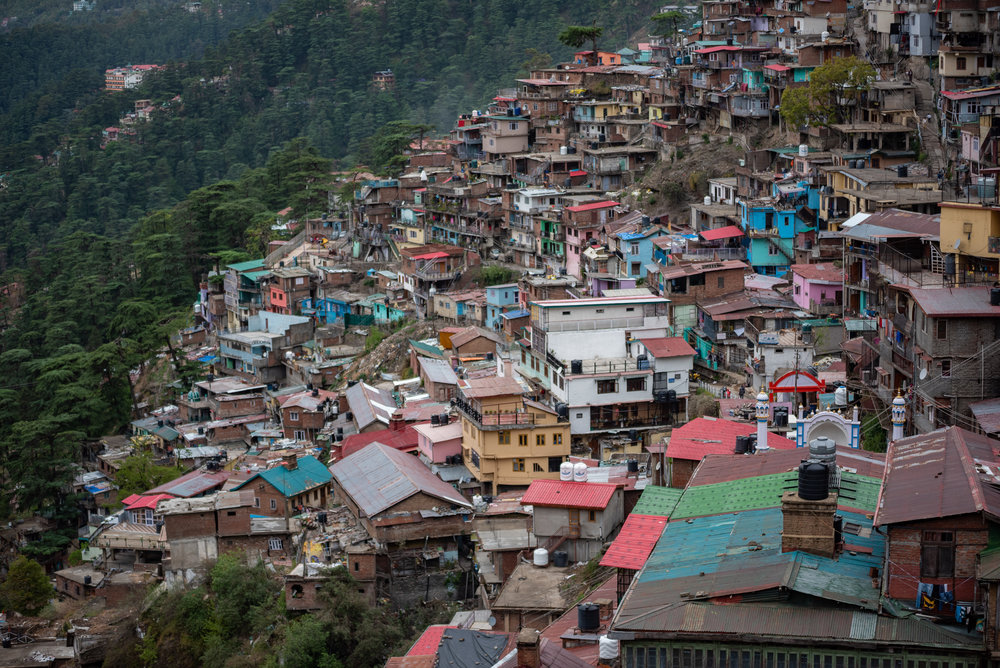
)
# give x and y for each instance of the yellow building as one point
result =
(971, 232)
(507, 440)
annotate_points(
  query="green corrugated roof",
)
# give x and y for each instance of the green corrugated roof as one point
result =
(308, 473)
(758, 493)
(254, 275)
(247, 266)
(658, 501)
(420, 346)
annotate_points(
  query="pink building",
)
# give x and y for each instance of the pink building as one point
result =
(583, 228)
(818, 288)
(438, 442)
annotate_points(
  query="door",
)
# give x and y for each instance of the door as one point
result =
(574, 523)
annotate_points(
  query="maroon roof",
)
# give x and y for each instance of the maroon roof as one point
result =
(569, 494)
(968, 302)
(722, 233)
(404, 439)
(727, 468)
(944, 473)
(635, 541)
(427, 643)
(667, 346)
(707, 436)
(821, 271)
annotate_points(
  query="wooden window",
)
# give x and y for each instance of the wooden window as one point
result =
(937, 554)
(945, 368)
(635, 384)
(556, 439)
(522, 439)
(540, 439)
(592, 516)
(942, 328)
(503, 437)
(609, 386)
(518, 464)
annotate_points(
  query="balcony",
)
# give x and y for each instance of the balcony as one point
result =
(591, 324)
(434, 273)
(609, 366)
(630, 416)
(769, 233)
(492, 418)
(824, 306)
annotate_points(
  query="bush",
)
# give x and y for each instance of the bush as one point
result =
(495, 275)
(679, 153)
(26, 589)
(705, 138)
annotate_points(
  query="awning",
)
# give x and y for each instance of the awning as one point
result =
(777, 68)
(431, 256)
(881, 371)
(722, 233)
(578, 172)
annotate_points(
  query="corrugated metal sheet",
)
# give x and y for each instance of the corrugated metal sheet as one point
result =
(569, 494)
(941, 474)
(987, 414)
(378, 477)
(195, 483)
(705, 436)
(727, 467)
(863, 625)
(656, 500)
(635, 541)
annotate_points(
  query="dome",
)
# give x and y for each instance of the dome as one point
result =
(762, 396)
(899, 400)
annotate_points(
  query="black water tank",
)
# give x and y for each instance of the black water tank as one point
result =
(435, 419)
(633, 466)
(349, 416)
(901, 171)
(562, 410)
(576, 367)
(87, 579)
(994, 296)
(633, 435)
(588, 617)
(671, 396)
(560, 559)
(444, 418)
(813, 481)
(781, 416)
(742, 445)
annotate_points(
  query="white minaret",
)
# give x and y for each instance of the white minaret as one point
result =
(898, 417)
(763, 412)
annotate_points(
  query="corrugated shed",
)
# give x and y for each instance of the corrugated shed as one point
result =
(378, 477)
(987, 414)
(427, 643)
(307, 474)
(634, 542)
(863, 625)
(195, 483)
(569, 494)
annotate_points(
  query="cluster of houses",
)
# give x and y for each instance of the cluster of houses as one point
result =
(679, 404)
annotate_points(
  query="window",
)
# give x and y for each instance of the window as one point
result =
(522, 439)
(554, 464)
(633, 249)
(540, 439)
(537, 468)
(231, 513)
(524, 358)
(274, 544)
(556, 439)
(945, 368)
(256, 502)
(293, 415)
(592, 516)
(722, 281)
(519, 464)
(635, 384)
(274, 504)
(942, 328)
(299, 435)
(607, 386)
(937, 554)
(772, 249)
(503, 437)
(960, 63)
(513, 126)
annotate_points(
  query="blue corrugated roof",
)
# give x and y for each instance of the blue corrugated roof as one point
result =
(510, 315)
(308, 473)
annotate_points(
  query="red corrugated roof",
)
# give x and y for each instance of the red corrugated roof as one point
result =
(404, 439)
(722, 233)
(704, 436)
(667, 346)
(578, 172)
(714, 49)
(430, 256)
(569, 494)
(427, 643)
(777, 68)
(136, 501)
(605, 204)
(634, 542)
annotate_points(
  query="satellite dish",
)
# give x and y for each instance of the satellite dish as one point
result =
(923, 374)
(958, 242)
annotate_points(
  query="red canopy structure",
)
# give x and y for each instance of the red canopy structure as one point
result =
(798, 381)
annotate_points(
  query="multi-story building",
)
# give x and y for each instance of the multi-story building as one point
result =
(585, 353)
(124, 78)
(256, 352)
(433, 268)
(242, 284)
(508, 440)
(286, 288)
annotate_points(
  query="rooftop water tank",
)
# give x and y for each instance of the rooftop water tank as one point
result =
(566, 471)
(803, 150)
(840, 396)
(607, 649)
(541, 557)
(588, 617)
(580, 472)
(707, 200)
(814, 481)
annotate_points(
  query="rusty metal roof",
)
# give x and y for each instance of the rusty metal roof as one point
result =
(987, 414)
(723, 468)
(964, 302)
(945, 473)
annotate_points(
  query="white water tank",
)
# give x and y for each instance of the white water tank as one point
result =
(803, 150)
(840, 396)
(566, 471)
(607, 649)
(541, 557)
(477, 500)
(708, 200)
(580, 472)
(564, 150)
(824, 35)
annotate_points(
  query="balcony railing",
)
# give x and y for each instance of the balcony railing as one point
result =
(605, 366)
(586, 325)
(433, 274)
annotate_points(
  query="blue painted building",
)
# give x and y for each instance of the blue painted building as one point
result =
(327, 310)
(771, 225)
(500, 298)
(379, 307)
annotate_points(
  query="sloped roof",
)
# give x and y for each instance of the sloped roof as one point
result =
(820, 271)
(944, 473)
(370, 404)
(605, 204)
(378, 477)
(308, 473)
(634, 542)
(667, 346)
(192, 484)
(963, 302)
(569, 494)
(721, 233)
(137, 501)
(427, 643)
(656, 500)
(490, 386)
(987, 414)
(404, 439)
(437, 371)
(470, 334)
(703, 436)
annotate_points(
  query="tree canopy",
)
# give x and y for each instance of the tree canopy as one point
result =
(26, 589)
(577, 36)
(831, 95)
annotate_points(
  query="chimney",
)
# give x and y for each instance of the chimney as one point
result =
(290, 462)
(528, 652)
(807, 513)
(396, 422)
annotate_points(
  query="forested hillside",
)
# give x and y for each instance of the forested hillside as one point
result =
(104, 243)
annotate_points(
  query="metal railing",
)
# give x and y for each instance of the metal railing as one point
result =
(600, 366)
(586, 325)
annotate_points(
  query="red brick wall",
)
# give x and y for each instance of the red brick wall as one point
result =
(70, 588)
(680, 471)
(189, 525)
(361, 566)
(264, 493)
(234, 521)
(971, 537)
(238, 407)
(301, 593)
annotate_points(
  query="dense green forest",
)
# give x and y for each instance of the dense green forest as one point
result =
(106, 243)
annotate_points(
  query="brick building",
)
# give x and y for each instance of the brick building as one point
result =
(292, 484)
(303, 414)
